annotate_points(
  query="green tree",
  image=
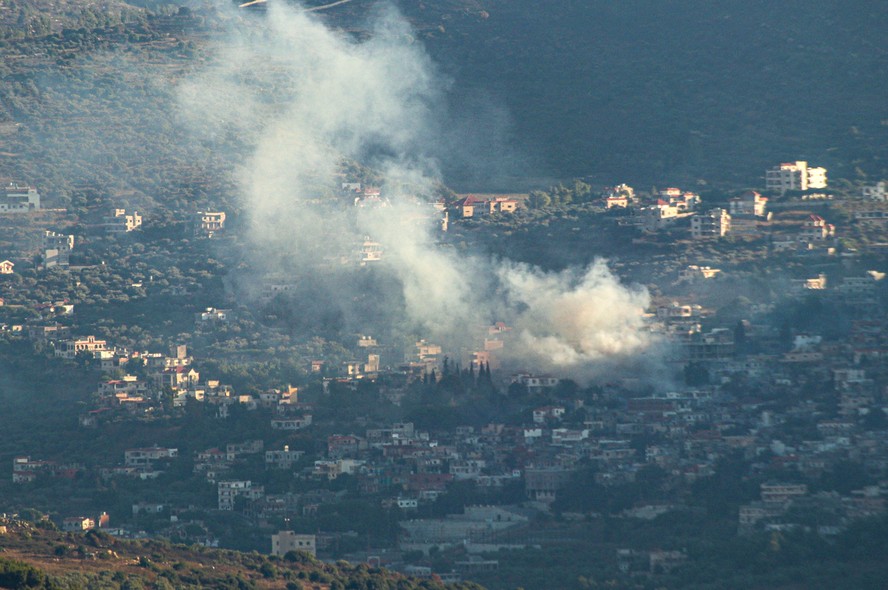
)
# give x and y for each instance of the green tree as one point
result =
(538, 200)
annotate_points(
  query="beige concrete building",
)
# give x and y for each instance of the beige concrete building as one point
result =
(286, 541)
(121, 222)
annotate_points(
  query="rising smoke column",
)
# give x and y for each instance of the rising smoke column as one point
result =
(302, 98)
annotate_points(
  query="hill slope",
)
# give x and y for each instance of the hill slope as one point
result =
(34, 557)
(646, 91)
(653, 89)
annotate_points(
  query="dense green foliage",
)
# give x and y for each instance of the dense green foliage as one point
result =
(17, 575)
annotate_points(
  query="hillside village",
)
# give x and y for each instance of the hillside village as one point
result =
(769, 304)
(169, 391)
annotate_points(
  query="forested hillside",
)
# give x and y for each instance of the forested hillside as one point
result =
(650, 89)
(643, 91)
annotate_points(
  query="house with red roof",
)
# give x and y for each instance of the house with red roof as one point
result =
(816, 229)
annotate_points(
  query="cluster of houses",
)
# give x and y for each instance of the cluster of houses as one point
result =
(469, 206)
(56, 248)
(373, 361)
(782, 502)
(157, 382)
(465, 207)
(404, 467)
(693, 429)
(26, 470)
(741, 402)
(747, 214)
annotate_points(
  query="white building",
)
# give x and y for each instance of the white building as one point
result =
(621, 195)
(333, 469)
(862, 286)
(817, 283)
(681, 200)
(782, 492)
(78, 524)
(208, 223)
(477, 524)
(69, 349)
(17, 198)
(370, 252)
(128, 384)
(716, 223)
(794, 176)
(212, 315)
(535, 383)
(656, 217)
(408, 503)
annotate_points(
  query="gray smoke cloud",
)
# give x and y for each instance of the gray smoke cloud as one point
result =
(303, 98)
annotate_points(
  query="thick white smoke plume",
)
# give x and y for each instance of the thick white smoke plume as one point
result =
(303, 98)
(574, 319)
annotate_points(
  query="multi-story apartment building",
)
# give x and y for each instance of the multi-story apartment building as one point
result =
(57, 249)
(119, 222)
(794, 176)
(230, 490)
(208, 223)
(816, 229)
(716, 223)
(69, 349)
(749, 203)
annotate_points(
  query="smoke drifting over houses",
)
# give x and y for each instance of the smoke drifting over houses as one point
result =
(304, 99)
(574, 320)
